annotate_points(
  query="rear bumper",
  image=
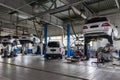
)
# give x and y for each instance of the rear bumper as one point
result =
(96, 34)
(53, 55)
(101, 32)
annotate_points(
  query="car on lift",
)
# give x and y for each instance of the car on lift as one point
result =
(29, 38)
(96, 28)
(11, 40)
(100, 27)
(5, 40)
(54, 49)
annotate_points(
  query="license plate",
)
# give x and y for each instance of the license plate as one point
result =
(52, 49)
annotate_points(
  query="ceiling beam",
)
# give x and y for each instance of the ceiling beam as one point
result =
(83, 3)
(59, 9)
(64, 1)
(77, 10)
(94, 2)
(91, 10)
(53, 4)
(27, 11)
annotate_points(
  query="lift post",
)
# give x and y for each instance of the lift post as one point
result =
(88, 51)
(68, 39)
(45, 38)
(86, 48)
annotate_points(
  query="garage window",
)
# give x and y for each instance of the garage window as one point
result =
(53, 44)
(97, 19)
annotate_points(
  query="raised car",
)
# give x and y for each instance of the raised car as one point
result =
(100, 27)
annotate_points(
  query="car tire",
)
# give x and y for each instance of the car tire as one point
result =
(61, 57)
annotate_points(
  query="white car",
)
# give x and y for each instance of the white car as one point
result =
(11, 41)
(29, 38)
(54, 49)
(100, 27)
(5, 40)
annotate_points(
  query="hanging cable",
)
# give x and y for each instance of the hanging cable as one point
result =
(35, 28)
(71, 23)
(76, 15)
(17, 23)
(40, 34)
(38, 22)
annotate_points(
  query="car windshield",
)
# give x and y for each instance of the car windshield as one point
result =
(97, 19)
(53, 44)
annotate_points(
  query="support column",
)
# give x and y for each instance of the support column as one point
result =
(45, 38)
(16, 30)
(41, 41)
(68, 39)
(86, 53)
(62, 37)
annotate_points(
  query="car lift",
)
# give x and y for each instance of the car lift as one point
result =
(68, 40)
(45, 39)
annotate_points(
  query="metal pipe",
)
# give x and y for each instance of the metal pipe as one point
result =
(117, 3)
(35, 28)
(78, 12)
(59, 9)
(71, 24)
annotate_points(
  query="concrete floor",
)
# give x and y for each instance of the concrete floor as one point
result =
(36, 68)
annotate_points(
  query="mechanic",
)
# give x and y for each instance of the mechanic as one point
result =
(14, 50)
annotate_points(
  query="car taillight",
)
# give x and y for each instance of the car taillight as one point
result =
(60, 49)
(105, 24)
(85, 27)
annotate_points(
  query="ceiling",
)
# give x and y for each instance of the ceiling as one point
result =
(55, 12)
